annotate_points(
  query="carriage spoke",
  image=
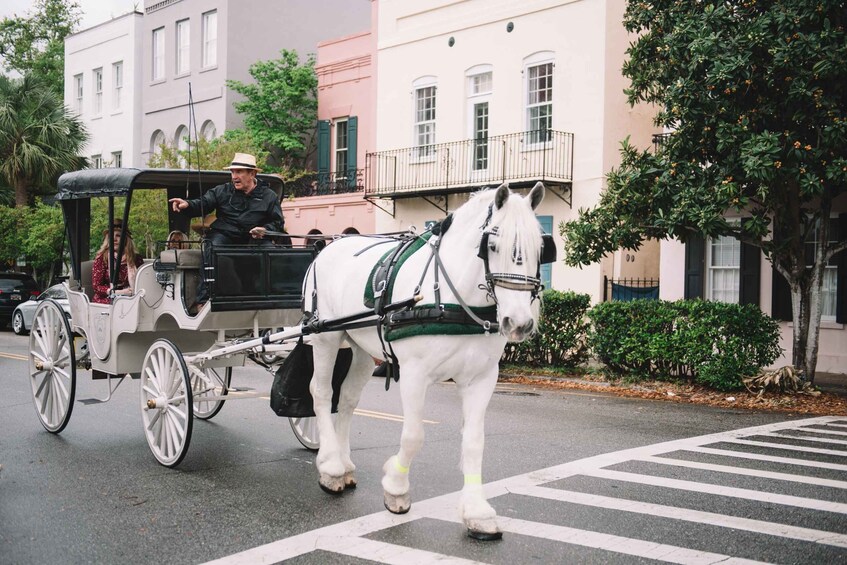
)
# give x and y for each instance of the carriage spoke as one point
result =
(153, 419)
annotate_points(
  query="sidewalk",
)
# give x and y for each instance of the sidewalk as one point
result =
(835, 383)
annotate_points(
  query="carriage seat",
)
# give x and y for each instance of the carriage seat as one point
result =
(181, 258)
(84, 280)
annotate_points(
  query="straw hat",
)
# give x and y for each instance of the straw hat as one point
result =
(243, 161)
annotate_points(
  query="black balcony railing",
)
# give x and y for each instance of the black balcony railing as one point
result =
(659, 139)
(320, 184)
(460, 166)
(630, 289)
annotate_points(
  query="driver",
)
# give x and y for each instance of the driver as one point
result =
(246, 208)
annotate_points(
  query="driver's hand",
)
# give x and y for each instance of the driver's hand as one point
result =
(258, 232)
(178, 204)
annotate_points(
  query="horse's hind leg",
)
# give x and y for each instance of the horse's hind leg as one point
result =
(476, 513)
(361, 369)
(395, 481)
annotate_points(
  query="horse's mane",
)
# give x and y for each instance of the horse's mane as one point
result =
(517, 227)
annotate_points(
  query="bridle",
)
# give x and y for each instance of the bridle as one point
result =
(512, 281)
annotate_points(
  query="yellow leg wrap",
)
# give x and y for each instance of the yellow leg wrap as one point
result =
(473, 479)
(400, 467)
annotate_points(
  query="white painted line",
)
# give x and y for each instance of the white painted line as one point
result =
(688, 515)
(746, 472)
(732, 492)
(835, 425)
(786, 446)
(382, 552)
(804, 438)
(445, 505)
(610, 542)
(769, 458)
(820, 431)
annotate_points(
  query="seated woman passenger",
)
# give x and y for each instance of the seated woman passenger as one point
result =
(178, 240)
(127, 267)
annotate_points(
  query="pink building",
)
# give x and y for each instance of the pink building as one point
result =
(333, 202)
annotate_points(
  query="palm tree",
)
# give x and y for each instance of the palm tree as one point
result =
(39, 137)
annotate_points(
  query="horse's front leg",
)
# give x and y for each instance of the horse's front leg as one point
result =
(329, 462)
(477, 514)
(395, 480)
(360, 371)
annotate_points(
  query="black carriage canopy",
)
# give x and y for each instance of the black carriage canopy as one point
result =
(76, 189)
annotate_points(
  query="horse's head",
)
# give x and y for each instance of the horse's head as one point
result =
(511, 248)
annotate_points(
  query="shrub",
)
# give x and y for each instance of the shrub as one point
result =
(713, 343)
(561, 337)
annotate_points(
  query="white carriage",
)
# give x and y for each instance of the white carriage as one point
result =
(151, 334)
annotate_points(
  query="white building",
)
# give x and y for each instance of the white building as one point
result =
(102, 84)
(471, 93)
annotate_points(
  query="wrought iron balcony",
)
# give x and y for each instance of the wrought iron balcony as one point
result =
(659, 140)
(320, 184)
(521, 159)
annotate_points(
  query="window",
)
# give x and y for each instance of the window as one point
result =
(539, 102)
(117, 84)
(117, 159)
(181, 143)
(341, 148)
(98, 91)
(210, 39)
(209, 131)
(723, 263)
(183, 48)
(96, 161)
(479, 90)
(78, 93)
(157, 140)
(480, 83)
(425, 121)
(829, 290)
(159, 53)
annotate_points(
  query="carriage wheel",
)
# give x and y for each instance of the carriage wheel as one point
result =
(210, 385)
(306, 432)
(166, 405)
(52, 366)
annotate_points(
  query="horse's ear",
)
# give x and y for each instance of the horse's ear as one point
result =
(501, 196)
(536, 195)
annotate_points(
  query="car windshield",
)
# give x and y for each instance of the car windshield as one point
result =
(8, 284)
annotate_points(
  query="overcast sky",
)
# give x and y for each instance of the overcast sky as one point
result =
(93, 11)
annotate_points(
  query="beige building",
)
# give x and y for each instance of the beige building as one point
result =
(473, 93)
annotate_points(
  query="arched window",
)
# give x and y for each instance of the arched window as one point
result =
(157, 140)
(181, 143)
(318, 243)
(351, 231)
(209, 131)
(538, 97)
(424, 116)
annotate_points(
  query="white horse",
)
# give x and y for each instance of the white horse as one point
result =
(503, 272)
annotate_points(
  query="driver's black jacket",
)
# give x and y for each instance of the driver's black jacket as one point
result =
(237, 214)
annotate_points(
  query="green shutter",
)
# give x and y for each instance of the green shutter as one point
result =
(840, 231)
(695, 257)
(323, 153)
(751, 259)
(352, 146)
(546, 269)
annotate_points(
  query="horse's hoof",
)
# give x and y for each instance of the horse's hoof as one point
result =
(335, 486)
(397, 504)
(349, 482)
(485, 536)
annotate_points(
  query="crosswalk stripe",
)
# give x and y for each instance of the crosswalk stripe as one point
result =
(382, 552)
(744, 471)
(733, 492)
(685, 514)
(769, 458)
(787, 446)
(782, 434)
(820, 431)
(610, 542)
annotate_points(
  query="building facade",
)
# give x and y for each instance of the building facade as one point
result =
(475, 93)
(103, 86)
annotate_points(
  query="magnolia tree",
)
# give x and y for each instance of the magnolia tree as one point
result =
(754, 94)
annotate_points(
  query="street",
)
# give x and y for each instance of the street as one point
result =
(575, 477)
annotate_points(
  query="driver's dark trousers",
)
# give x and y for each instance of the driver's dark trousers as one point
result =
(220, 238)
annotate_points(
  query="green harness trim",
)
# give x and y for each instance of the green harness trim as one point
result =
(389, 290)
(432, 326)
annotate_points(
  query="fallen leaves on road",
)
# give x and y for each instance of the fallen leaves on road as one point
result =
(823, 404)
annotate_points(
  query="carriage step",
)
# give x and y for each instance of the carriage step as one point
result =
(88, 401)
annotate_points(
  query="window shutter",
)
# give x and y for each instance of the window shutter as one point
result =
(751, 260)
(546, 269)
(695, 254)
(323, 147)
(780, 298)
(352, 145)
(841, 276)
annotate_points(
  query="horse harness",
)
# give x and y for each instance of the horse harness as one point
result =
(396, 320)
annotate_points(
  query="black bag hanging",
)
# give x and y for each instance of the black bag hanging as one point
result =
(290, 396)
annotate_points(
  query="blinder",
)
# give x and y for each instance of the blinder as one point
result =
(548, 248)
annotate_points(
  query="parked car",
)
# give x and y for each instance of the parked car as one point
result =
(25, 311)
(15, 288)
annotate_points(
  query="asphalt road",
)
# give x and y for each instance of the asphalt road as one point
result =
(95, 494)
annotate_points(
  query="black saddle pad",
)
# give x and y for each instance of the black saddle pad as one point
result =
(290, 396)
